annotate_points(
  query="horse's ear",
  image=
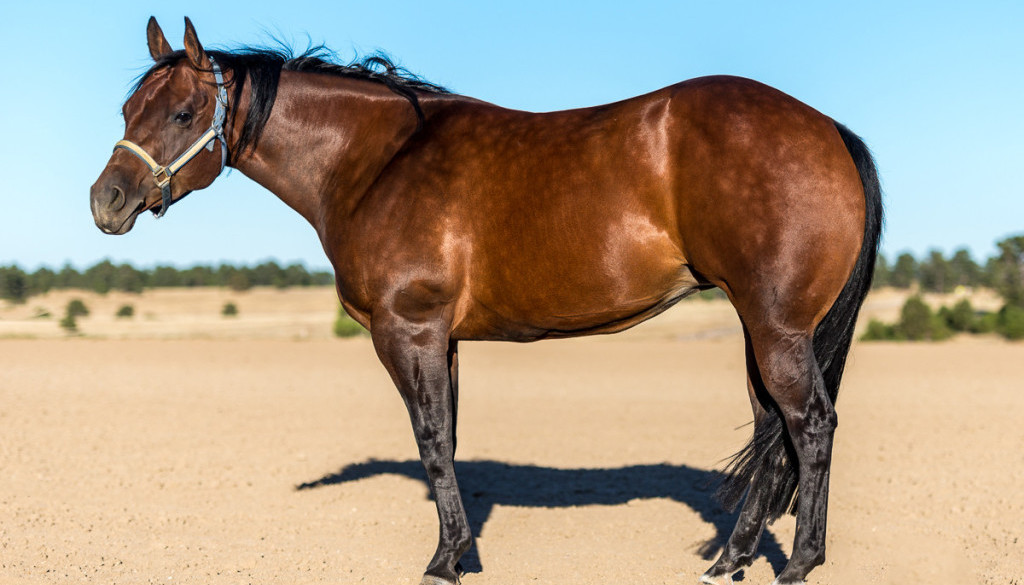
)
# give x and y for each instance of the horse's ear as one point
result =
(158, 45)
(194, 49)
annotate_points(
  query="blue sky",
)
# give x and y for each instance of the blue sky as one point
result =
(935, 88)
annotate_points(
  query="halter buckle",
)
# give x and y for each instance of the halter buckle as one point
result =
(162, 176)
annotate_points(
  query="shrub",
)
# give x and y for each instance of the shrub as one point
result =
(987, 322)
(711, 294)
(1011, 322)
(879, 331)
(345, 326)
(959, 318)
(77, 308)
(940, 330)
(125, 312)
(918, 323)
(69, 324)
(229, 310)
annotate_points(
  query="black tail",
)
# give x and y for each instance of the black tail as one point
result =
(768, 456)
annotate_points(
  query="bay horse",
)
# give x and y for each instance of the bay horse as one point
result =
(447, 218)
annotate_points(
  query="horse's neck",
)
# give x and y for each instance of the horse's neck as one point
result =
(326, 141)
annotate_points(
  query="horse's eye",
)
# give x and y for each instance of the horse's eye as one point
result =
(183, 118)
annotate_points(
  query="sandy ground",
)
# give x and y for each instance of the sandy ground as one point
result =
(176, 449)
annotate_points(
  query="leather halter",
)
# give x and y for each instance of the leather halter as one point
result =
(162, 174)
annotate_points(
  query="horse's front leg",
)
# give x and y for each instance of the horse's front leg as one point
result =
(421, 360)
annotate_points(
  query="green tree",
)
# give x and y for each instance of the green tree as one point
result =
(904, 272)
(322, 278)
(165, 276)
(296, 275)
(238, 281)
(125, 312)
(229, 310)
(270, 274)
(1009, 271)
(68, 277)
(100, 277)
(13, 284)
(882, 274)
(41, 281)
(919, 323)
(964, 270)
(128, 279)
(935, 275)
(198, 276)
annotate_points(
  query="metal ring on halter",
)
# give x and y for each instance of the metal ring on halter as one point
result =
(162, 175)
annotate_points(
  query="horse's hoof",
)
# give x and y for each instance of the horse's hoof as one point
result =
(716, 580)
(800, 582)
(432, 580)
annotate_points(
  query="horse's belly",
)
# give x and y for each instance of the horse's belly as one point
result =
(601, 306)
(576, 269)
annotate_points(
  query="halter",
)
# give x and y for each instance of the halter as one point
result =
(162, 175)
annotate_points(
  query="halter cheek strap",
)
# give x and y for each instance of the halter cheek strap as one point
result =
(162, 174)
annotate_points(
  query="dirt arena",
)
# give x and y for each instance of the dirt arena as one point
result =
(182, 447)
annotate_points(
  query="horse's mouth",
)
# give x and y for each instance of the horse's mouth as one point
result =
(127, 223)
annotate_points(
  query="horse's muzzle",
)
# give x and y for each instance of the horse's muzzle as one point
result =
(112, 209)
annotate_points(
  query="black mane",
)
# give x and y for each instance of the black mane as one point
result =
(263, 68)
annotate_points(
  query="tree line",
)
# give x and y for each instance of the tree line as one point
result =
(17, 285)
(940, 274)
(1003, 273)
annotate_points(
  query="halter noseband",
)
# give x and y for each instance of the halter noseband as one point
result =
(162, 175)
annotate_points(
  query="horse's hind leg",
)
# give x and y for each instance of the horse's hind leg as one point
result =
(792, 377)
(739, 551)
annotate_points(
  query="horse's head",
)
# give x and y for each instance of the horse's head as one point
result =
(172, 122)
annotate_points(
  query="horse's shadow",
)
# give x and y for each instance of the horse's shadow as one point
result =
(485, 484)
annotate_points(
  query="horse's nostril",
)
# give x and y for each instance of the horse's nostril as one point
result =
(117, 198)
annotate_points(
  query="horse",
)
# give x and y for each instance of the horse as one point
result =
(447, 218)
